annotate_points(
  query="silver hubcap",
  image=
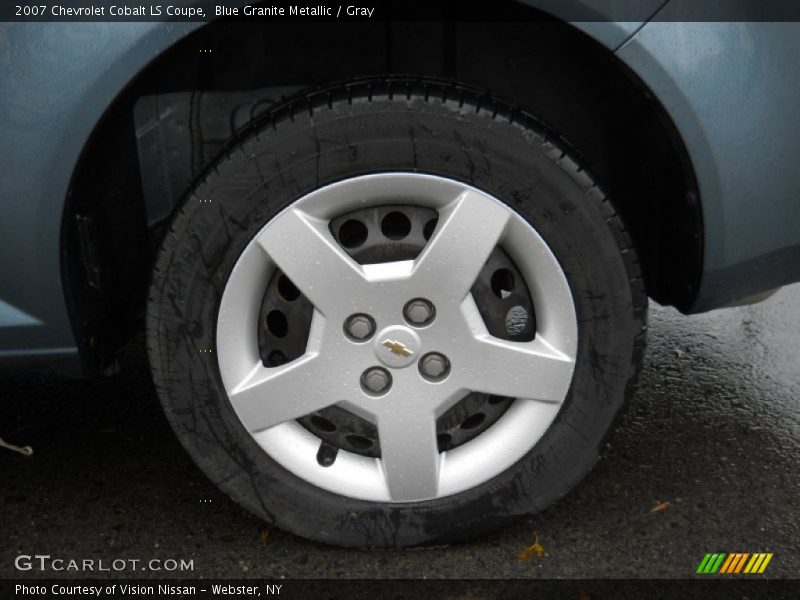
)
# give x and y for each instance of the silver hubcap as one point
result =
(423, 315)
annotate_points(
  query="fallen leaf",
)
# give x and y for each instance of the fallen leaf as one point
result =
(535, 549)
(661, 506)
(263, 535)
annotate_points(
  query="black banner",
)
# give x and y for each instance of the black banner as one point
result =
(405, 589)
(395, 10)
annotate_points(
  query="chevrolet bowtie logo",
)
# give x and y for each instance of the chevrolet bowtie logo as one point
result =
(397, 348)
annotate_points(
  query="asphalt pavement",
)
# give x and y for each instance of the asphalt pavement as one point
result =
(707, 459)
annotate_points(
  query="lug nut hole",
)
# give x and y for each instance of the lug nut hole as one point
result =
(359, 442)
(323, 424)
(474, 421)
(352, 233)
(287, 289)
(395, 225)
(276, 358)
(277, 323)
(429, 228)
(502, 283)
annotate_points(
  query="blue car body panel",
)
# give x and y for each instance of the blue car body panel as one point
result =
(610, 23)
(733, 92)
(58, 79)
(727, 87)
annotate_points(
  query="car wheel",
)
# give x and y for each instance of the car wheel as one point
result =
(395, 313)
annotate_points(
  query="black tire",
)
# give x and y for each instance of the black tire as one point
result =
(394, 125)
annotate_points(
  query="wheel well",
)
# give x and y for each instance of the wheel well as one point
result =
(574, 85)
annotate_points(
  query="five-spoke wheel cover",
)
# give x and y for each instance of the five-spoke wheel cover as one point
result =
(411, 464)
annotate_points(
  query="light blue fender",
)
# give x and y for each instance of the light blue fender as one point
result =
(733, 91)
(57, 81)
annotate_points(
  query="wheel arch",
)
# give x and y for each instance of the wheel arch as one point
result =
(619, 128)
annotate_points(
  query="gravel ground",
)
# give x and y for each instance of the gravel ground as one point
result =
(714, 432)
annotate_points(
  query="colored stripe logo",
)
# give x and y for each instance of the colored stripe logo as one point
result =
(734, 563)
